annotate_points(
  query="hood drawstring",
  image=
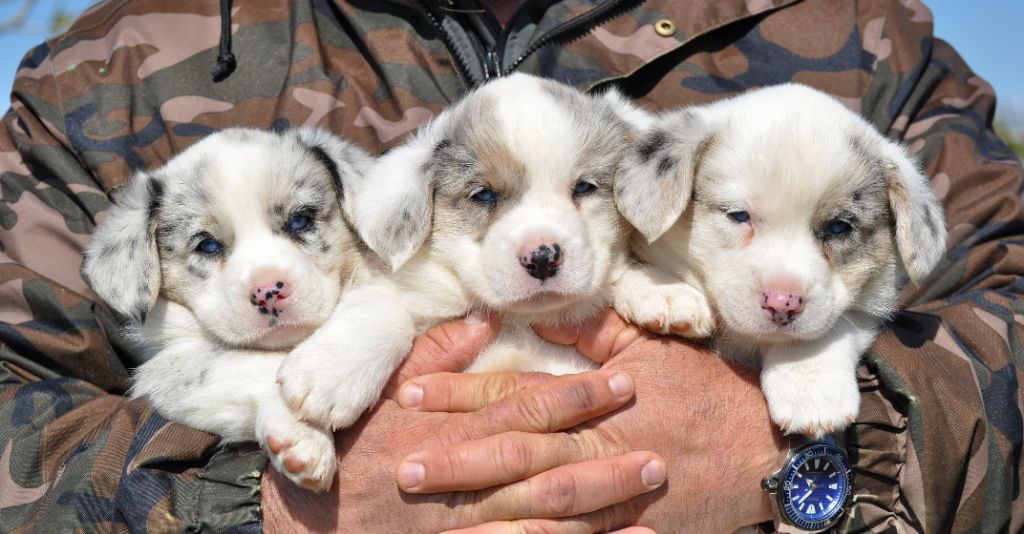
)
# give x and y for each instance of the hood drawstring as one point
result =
(225, 59)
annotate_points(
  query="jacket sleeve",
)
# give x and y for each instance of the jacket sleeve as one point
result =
(75, 454)
(937, 446)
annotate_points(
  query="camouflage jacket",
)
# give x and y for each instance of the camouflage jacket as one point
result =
(936, 448)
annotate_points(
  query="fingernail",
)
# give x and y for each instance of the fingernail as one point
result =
(411, 396)
(621, 385)
(653, 474)
(411, 475)
(476, 318)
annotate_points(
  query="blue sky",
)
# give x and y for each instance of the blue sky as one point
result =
(988, 33)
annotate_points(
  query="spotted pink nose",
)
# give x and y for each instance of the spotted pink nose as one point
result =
(542, 261)
(783, 307)
(270, 297)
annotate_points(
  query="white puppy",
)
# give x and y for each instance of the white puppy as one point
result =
(222, 260)
(513, 186)
(799, 215)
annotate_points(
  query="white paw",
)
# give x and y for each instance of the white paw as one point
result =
(676, 308)
(813, 409)
(324, 390)
(301, 452)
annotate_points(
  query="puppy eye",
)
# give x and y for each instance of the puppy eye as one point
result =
(298, 223)
(210, 246)
(837, 227)
(583, 187)
(738, 216)
(485, 195)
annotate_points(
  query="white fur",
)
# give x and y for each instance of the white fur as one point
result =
(786, 155)
(213, 354)
(464, 266)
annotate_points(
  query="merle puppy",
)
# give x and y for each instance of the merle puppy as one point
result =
(221, 261)
(504, 202)
(799, 222)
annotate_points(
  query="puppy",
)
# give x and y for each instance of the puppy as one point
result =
(503, 202)
(799, 216)
(221, 261)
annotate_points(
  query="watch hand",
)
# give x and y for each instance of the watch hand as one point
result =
(804, 498)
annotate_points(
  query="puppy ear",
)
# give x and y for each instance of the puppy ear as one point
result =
(394, 205)
(346, 163)
(638, 118)
(121, 262)
(656, 181)
(920, 223)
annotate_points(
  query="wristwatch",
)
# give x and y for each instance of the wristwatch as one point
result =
(812, 489)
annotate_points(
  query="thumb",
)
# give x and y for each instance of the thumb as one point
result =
(599, 339)
(447, 348)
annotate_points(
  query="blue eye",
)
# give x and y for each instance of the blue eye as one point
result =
(484, 194)
(297, 223)
(210, 246)
(583, 187)
(738, 216)
(837, 227)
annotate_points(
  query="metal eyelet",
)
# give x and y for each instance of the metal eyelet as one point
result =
(665, 28)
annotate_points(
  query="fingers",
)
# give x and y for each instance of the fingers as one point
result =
(573, 525)
(562, 403)
(576, 489)
(448, 347)
(464, 392)
(491, 461)
(600, 339)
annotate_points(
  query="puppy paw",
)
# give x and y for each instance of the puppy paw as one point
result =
(324, 391)
(675, 308)
(303, 453)
(812, 410)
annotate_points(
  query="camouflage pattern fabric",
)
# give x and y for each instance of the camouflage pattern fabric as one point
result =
(938, 443)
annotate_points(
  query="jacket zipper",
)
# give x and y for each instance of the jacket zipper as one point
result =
(491, 59)
(564, 31)
(448, 43)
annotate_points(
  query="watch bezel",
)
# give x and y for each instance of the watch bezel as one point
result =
(798, 457)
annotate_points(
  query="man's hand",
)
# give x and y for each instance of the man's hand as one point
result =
(707, 418)
(365, 497)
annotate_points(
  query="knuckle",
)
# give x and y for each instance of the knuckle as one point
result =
(618, 481)
(497, 386)
(532, 527)
(537, 411)
(435, 342)
(559, 494)
(584, 396)
(448, 466)
(514, 458)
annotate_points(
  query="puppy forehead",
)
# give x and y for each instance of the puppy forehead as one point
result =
(235, 176)
(545, 127)
(813, 160)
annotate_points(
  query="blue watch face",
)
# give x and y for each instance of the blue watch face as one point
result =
(815, 487)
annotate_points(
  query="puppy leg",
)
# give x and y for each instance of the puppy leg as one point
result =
(338, 373)
(233, 393)
(811, 386)
(661, 302)
(300, 451)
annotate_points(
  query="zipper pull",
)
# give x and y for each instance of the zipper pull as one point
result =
(492, 67)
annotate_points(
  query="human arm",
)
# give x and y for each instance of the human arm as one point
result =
(70, 440)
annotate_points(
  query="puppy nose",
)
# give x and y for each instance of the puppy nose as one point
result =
(270, 297)
(541, 262)
(783, 306)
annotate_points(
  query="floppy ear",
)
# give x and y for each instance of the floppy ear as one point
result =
(920, 223)
(121, 262)
(656, 181)
(346, 163)
(394, 203)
